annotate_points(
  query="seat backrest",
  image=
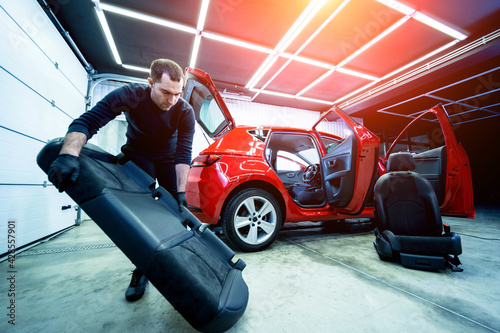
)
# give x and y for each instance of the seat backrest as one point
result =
(401, 162)
(98, 170)
(405, 201)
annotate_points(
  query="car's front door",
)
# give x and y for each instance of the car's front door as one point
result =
(350, 168)
(440, 159)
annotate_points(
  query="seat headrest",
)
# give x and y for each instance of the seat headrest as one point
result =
(401, 162)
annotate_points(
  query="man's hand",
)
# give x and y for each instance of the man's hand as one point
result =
(64, 171)
(181, 199)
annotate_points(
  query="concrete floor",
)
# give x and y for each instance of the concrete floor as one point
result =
(312, 279)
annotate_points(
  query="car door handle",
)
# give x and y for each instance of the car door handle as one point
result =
(290, 175)
(331, 163)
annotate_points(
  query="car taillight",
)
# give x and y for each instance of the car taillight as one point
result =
(205, 160)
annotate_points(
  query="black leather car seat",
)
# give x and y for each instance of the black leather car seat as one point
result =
(409, 225)
(306, 194)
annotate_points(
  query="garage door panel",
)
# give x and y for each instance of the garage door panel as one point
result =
(46, 75)
(36, 211)
(25, 111)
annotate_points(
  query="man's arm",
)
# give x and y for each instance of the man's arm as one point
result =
(182, 171)
(73, 143)
(64, 170)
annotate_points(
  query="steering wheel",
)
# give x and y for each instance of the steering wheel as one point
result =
(310, 173)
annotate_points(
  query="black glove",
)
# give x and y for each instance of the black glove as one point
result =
(181, 199)
(64, 171)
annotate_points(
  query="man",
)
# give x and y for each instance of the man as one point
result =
(159, 137)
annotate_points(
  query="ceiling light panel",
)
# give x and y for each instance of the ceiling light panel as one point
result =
(314, 41)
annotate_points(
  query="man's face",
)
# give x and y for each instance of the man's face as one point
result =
(166, 92)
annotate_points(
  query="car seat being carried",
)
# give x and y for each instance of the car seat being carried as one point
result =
(190, 267)
(409, 225)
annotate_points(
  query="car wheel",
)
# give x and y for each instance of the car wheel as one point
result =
(252, 219)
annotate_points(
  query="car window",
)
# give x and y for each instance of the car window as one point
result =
(423, 135)
(207, 112)
(289, 162)
(210, 114)
(338, 129)
(330, 143)
(291, 151)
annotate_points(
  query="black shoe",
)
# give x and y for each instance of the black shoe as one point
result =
(137, 286)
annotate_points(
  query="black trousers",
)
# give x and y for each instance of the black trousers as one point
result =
(161, 168)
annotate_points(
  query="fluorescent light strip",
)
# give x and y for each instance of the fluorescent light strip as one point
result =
(438, 26)
(398, 6)
(315, 82)
(107, 32)
(147, 18)
(321, 101)
(313, 62)
(199, 28)
(374, 40)
(423, 18)
(322, 26)
(136, 68)
(236, 42)
(266, 65)
(358, 74)
(428, 55)
(280, 94)
(355, 93)
(203, 15)
(299, 25)
(290, 35)
(274, 93)
(194, 53)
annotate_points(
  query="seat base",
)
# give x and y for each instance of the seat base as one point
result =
(393, 248)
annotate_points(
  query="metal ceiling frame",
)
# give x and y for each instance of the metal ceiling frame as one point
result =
(431, 94)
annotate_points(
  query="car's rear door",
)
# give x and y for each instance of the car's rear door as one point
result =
(440, 158)
(349, 169)
(210, 110)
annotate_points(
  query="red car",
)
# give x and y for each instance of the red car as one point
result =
(251, 180)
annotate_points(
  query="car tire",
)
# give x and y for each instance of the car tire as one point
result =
(252, 219)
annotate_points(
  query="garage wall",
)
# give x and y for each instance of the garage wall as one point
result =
(42, 88)
(248, 113)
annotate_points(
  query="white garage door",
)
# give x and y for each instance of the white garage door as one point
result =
(42, 88)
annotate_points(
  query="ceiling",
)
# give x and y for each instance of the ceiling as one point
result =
(369, 57)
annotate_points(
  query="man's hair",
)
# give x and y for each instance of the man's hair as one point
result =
(160, 66)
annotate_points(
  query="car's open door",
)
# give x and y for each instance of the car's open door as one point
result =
(350, 168)
(440, 159)
(210, 110)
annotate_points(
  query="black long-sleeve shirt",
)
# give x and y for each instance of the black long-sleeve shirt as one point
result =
(151, 131)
